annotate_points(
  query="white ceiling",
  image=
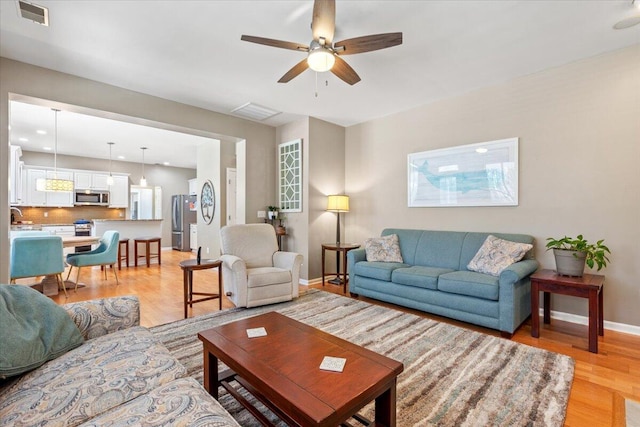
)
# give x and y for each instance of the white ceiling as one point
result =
(191, 52)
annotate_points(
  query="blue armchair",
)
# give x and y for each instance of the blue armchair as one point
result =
(36, 254)
(105, 254)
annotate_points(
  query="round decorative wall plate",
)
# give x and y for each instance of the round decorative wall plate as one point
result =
(207, 201)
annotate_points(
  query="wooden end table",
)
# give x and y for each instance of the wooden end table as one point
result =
(188, 266)
(282, 370)
(341, 250)
(589, 286)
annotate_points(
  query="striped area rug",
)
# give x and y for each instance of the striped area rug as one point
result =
(452, 376)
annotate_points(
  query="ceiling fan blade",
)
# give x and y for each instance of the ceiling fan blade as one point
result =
(368, 43)
(275, 43)
(295, 71)
(345, 72)
(324, 20)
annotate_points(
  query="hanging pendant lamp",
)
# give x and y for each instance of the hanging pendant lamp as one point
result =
(143, 180)
(54, 184)
(110, 178)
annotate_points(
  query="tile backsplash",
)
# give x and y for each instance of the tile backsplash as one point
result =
(51, 215)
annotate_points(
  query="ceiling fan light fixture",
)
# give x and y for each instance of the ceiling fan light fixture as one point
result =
(321, 59)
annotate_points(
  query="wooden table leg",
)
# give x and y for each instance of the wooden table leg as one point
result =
(600, 312)
(593, 321)
(211, 374)
(386, 407)
(221, 288)
(190, 288)
(547, 307)
(148, 247)
(185, 280)
(344, 272)
(323, 250)
(535, 310)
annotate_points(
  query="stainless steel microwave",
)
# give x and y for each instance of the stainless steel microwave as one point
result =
(91, 198)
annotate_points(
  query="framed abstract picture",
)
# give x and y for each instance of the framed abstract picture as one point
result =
(482, 174)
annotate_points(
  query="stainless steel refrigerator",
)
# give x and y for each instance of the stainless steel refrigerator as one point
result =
(183, 213)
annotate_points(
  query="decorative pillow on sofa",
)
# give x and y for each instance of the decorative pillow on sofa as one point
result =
(384, 249)
(34, 330)
(496, 254)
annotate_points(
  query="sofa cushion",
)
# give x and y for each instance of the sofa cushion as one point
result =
(421, 277)
(265, 276)
(496, 254)
(377, 270)
(97, 376)
(383, 249)
(34, 329)
(471, 284)
(474, 240)
(180, 403)
(439, 249)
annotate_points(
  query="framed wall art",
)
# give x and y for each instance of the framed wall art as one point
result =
(290, 176)
(207, 201)
(483, 174)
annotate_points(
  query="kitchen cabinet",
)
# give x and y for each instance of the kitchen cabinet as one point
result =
(193, 235)
(193, 186)
(91, 181)
(46, 198)
(15, 176)
(119, 192)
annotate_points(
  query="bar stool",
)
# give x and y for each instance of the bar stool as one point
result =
(148, 255)
(124, 243)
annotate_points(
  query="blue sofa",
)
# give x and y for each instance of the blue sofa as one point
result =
(434, 278)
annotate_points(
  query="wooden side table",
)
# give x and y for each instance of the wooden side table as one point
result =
(341, 249)
(589, 286)
(188, 266)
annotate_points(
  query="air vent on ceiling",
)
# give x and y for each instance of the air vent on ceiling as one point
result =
(33, 12)
(254, 112)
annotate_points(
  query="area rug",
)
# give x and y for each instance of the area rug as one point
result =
(452, 376)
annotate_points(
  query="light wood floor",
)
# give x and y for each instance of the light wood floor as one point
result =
(597, 376)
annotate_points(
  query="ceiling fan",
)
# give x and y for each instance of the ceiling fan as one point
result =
(323, 54)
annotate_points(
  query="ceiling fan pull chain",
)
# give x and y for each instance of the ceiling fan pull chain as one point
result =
(316, 84)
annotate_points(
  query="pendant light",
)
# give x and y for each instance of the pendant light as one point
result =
(110, 179)
(54, 184)
(143, 180)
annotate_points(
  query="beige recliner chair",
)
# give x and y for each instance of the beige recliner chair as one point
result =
(254, 271)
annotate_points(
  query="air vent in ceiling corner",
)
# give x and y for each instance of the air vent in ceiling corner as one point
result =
(254, 112)
(34, 13)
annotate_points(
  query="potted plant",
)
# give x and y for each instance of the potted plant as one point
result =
(571, 254)
(273, 212)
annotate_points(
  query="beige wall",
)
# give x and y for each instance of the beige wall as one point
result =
(297, 223)
(323, 168)
(24, 79)
(579, 130)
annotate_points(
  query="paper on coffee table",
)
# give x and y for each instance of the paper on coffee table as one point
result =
(256, 332)
(335, 364)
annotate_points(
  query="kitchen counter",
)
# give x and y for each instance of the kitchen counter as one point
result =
(23, 226)
(126, 220)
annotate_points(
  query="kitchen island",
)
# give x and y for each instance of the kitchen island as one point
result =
(129, 228)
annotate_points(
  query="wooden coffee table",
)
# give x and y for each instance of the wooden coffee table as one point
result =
(282, 370)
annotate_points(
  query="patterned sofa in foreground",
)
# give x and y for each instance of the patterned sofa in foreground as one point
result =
(121, 375)
(432, 275)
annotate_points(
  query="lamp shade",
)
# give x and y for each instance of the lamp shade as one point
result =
(338, 203)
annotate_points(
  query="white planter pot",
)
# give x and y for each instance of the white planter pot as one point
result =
(570, 263)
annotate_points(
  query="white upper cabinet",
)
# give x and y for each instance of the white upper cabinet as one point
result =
(119, 192)
(91, 181)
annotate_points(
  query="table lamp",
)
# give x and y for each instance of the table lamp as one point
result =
(337, 203)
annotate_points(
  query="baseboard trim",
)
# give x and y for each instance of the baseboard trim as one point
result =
(584, 320)
(310, 282)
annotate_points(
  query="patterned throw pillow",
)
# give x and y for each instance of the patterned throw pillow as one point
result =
(497, 254)
(384, 249)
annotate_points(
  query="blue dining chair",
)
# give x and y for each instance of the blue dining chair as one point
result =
(34, 254)
(105, 254)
